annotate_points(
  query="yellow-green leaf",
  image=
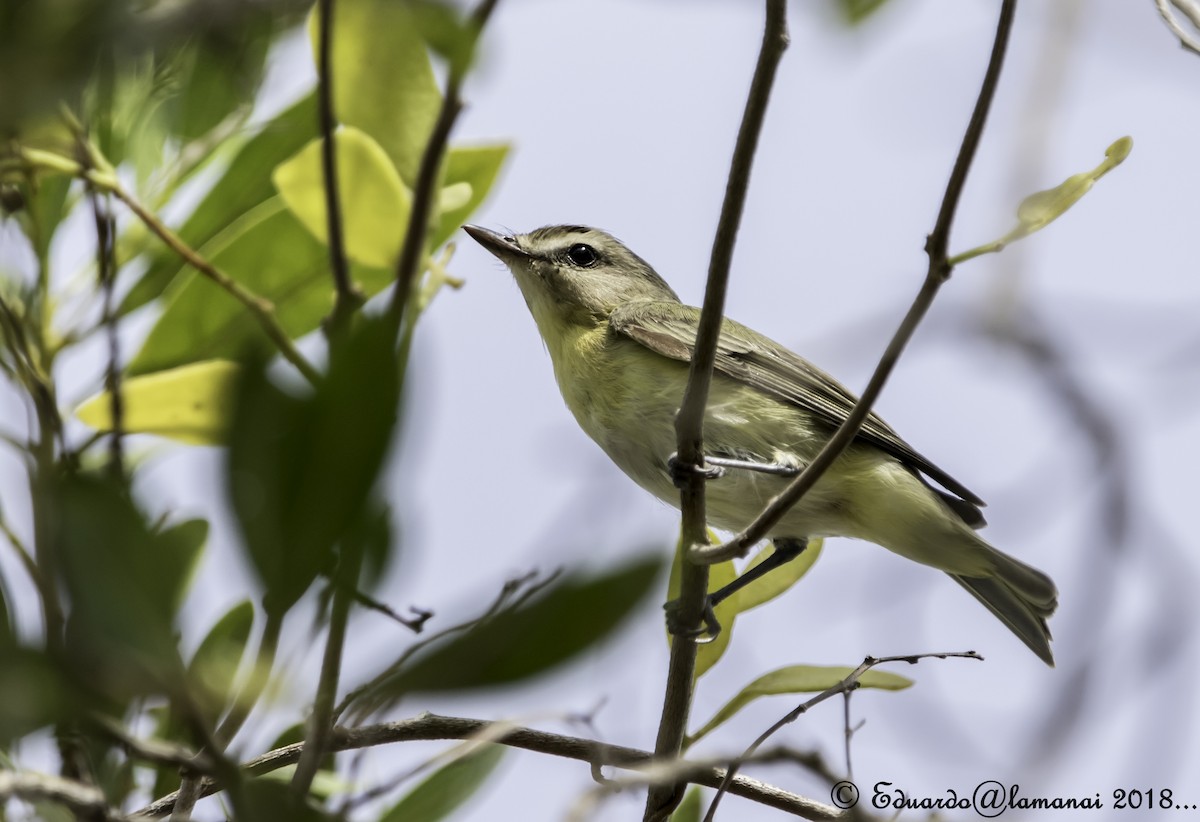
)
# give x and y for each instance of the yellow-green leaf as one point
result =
(374, 203)
(191, 403)
(780, 579)
(383, 82)
(719, 575)
(1040, 209)
(796, 679)
(478, 166)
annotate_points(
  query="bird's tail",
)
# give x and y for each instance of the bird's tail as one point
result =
(1022, 597)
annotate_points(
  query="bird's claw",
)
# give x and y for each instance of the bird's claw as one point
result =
(708, 629)
(680, 472)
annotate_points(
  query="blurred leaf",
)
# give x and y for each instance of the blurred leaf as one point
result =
(244, 185)
(185, 541)
(690, 808)
(268, 798)
(7, 635)
(216, 661)
(448, 788)
(383, 82)
(374, 203)
(800, 679)
(217, 73)
(191, 403)
(719, 575)
(294, 735)
(568, 617)
(123, 582)
(1044, 207)
(478, 167)
(47, 205)
(269, 252)
(771, 585)
(33, 694)
(855, 11)
(301, 469)
(447, 32)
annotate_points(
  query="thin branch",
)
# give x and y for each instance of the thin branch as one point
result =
(261, 308)
(424, 191)
(844, 687)
(1187, 39)
(432, 727)
(155, 751)
(320, 724)
(938, 272)
(689, 423)
(347, 298)
(106, 266)
(86, 801)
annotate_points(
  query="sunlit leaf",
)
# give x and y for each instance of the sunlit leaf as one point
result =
(374, 203)
(800, 679)
(245, 184)
(192, 403)
(478, 167)
(448, 788)
(272, 254)
(383, 82)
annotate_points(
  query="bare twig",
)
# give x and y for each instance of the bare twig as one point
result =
(689, 423)
(431, 727)
(320, 724)
(1187, 39)
(424, 193)
(86, 801)
(938, 272)
(844, 687)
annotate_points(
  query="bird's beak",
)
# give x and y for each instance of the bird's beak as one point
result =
(505, 248)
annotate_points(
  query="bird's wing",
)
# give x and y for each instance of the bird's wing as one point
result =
(745, 355)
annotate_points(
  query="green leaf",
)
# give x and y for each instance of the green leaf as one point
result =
(800, 679)
(124, 582)
(719, 575)
(34, 694)
(244, 185)
(301, 469)
(270, 253)
(217, 74)
(215, 664)
(1040, 209)
(855, 11)
(374, 203)
(191, 403)
(769, 586)
(185, 541)
(570, 616)
(448, 788)
(478, 167)
(383, 82)
(690, 808)
(267, 798)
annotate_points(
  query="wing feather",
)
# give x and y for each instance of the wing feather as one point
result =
(750, 358)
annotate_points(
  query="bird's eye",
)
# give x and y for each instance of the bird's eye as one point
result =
(583, 255)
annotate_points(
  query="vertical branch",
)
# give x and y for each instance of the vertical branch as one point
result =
(320, 724)
(424, 191)
(937, 274)
(347, 298)
(689, 423)
(106, 268)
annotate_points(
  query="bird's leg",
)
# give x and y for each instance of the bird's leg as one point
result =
(714, 467)
(785, 550)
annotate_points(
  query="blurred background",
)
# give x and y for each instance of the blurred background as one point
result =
(1059, 380)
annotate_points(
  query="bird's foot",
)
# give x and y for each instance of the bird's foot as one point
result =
(702, 634)
(680, 472)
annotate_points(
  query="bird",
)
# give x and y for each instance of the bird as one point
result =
(620, 342)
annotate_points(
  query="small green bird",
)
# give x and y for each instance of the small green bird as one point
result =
(620, 341)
